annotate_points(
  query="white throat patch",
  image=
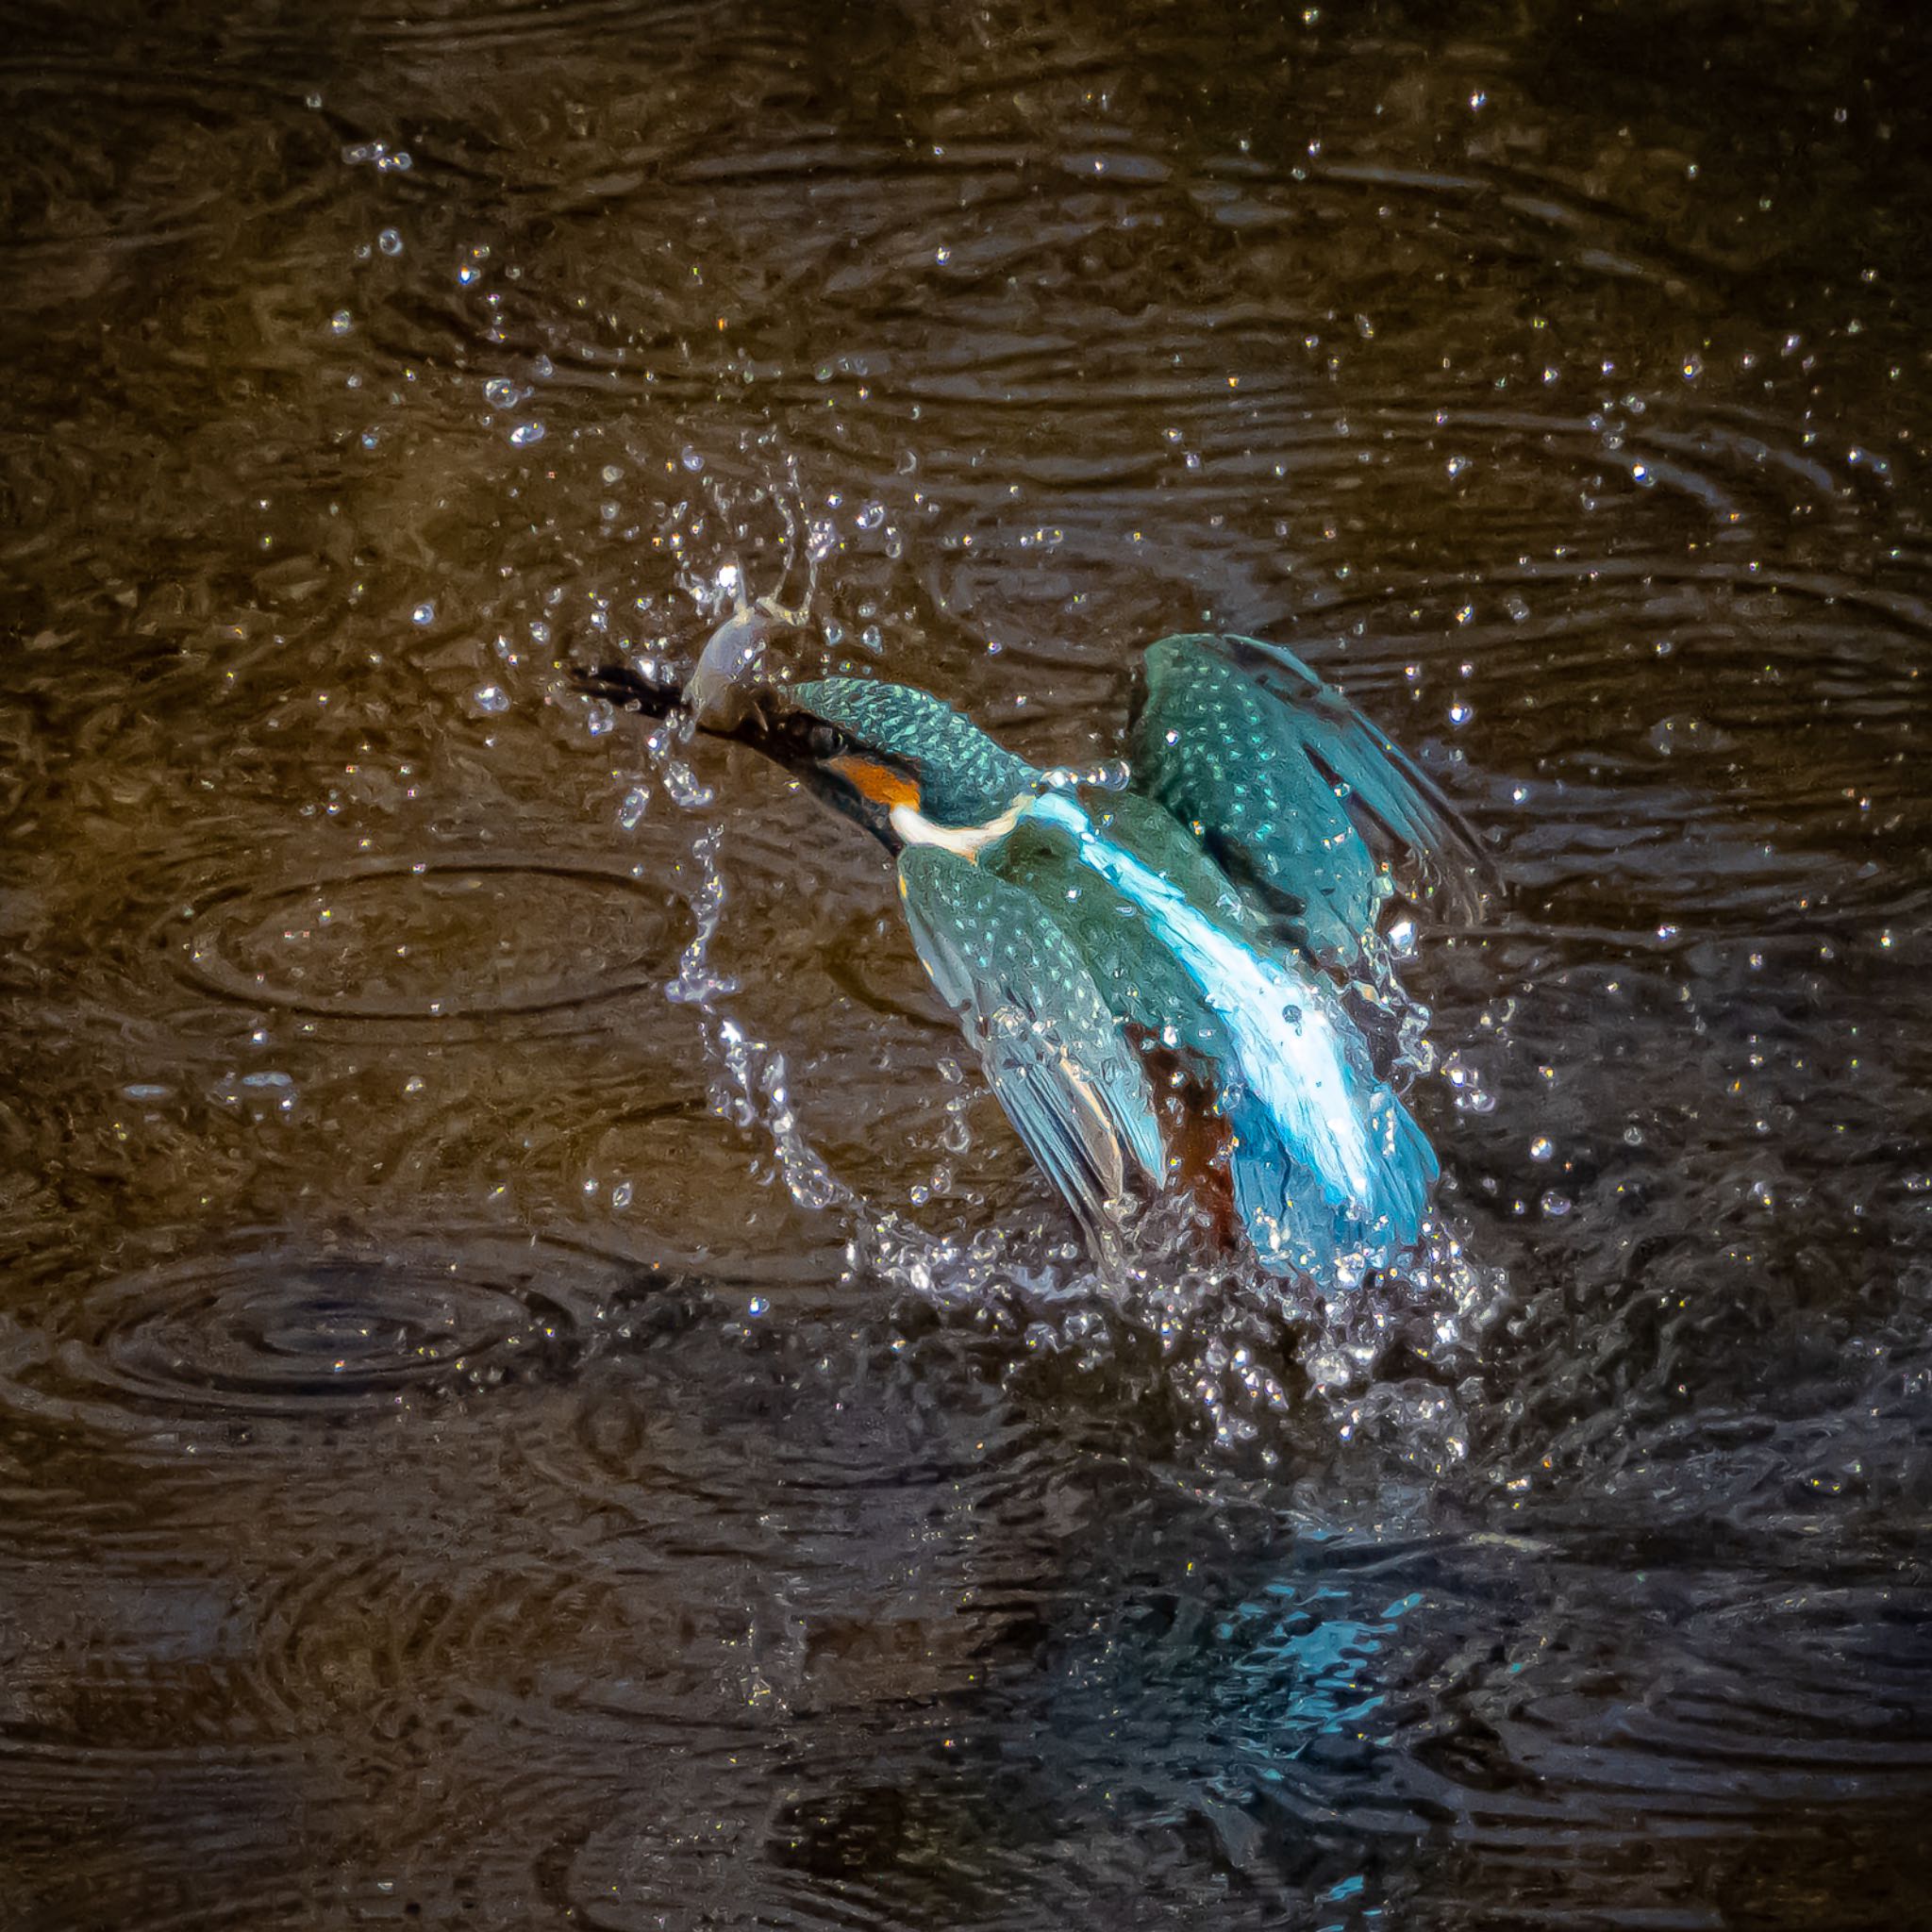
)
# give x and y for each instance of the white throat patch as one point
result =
(969, 841)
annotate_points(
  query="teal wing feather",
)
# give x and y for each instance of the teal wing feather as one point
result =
(1296, 795)
(1055, 1057)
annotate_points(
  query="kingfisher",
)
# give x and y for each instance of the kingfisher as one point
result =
(1174, 981)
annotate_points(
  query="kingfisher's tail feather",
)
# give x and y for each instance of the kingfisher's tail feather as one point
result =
(1304, 1220)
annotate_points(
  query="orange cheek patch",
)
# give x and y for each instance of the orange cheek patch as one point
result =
(879, 783)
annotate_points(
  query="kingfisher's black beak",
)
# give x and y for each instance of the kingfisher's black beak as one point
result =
(858, 783)
(629, 688)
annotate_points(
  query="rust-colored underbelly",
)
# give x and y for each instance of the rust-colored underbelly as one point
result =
(1198, 1136)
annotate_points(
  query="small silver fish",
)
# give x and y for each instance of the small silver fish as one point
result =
(720, 692)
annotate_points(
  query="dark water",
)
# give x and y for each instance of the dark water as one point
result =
(532, 1390)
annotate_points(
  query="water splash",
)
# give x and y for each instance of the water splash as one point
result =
(758, 1095)
(1249, 1361)
(749, 1087)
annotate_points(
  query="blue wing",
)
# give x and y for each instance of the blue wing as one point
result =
(1287, 784)
(1074, 1091)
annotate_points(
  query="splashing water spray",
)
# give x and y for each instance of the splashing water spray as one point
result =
(749, 1084)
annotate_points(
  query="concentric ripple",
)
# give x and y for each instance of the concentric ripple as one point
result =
(460, 938)
(856, 1555)
(283, 1330)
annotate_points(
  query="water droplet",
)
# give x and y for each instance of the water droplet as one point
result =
(526, 433)
(390, 241)
(542, 369)
(500, 392)
(636, 803)
(690, 460)
(1541, 1148)
(490, 698)
(1330, 1369)
(341, 323)
(425, 613)
(1455, 465)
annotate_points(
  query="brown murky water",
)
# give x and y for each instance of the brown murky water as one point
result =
(532, 1388)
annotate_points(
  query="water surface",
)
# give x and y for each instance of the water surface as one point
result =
(534, 1389)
